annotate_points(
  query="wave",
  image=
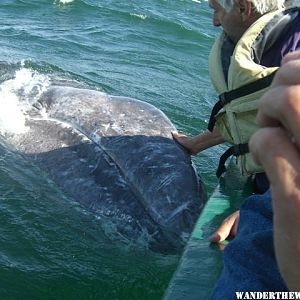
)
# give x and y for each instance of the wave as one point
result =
(63, 1)
(21, 85)
(137, 12)
(143, 12)
(17, 96)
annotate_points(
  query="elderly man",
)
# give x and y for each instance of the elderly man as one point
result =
(242, 63)
(256, 36)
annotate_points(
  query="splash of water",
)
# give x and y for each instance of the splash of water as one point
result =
(17, 96)
(63, 1)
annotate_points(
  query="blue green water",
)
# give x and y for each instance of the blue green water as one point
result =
(155, 51)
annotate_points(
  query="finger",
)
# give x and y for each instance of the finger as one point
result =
(227, 227)
(281, 107)
(280, 158)
(179, 138)
(177, 135)
(290, 57)
(265, 117)
(282, 88)
(234, 229)
(282, 165)
(288, 73)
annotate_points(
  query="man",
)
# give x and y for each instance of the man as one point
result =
(255, 39)
(279, 115)
(249, 260)
(236, 17)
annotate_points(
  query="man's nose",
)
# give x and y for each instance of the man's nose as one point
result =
(216, 21)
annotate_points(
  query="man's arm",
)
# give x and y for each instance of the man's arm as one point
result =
(277, 148)
(200, 142)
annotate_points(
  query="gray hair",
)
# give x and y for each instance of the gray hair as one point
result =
(227, 4)
(260, 6)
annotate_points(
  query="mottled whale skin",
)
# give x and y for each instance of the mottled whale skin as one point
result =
(116, 157)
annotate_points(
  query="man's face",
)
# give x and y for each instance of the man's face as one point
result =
(230, 19)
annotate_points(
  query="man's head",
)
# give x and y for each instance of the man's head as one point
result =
(260, 6)
(236, 16)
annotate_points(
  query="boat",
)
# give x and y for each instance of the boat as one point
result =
(201, 262)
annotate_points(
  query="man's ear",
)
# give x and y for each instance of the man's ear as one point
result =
(245, 9)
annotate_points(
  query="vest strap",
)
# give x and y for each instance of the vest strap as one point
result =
(212, 120)
(235, 150)
(242, 91)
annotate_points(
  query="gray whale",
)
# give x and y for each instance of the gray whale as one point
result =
(116, 157)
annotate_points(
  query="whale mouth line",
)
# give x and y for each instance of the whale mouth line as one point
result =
(86, 138)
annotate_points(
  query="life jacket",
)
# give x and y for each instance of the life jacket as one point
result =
(240, 80)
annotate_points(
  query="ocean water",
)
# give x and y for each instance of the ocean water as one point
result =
(155, 51)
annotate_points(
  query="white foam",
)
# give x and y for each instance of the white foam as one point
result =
(17, 96)
(12, 119)
(140, 16)
(63, 1)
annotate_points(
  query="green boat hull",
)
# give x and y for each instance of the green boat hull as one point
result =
(201, 262)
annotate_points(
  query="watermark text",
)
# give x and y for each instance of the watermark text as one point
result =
(267, 295)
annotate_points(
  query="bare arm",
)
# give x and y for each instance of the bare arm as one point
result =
(199, 142)
(277, 148)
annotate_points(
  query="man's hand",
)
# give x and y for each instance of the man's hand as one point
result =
(199, 142)
(228, 228)
(277, 148)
